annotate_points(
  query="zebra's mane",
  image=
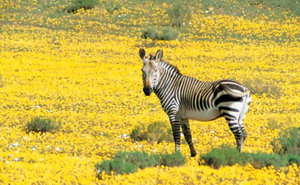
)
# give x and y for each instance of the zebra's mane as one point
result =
(170, 67)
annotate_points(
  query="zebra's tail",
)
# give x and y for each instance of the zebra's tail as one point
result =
(234, 93)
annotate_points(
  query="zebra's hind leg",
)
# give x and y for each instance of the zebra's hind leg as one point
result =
(188, 136)
(239, 138)
(245, 108)
(237, 130)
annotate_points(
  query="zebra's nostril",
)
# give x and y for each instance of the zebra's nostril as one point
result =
(147, 90)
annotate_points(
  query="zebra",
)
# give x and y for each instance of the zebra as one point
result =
(183, 98)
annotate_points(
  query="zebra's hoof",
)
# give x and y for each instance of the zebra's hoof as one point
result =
(193, 154)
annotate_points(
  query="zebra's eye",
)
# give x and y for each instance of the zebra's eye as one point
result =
(143, 74)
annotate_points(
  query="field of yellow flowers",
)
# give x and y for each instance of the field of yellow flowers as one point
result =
(83, 71)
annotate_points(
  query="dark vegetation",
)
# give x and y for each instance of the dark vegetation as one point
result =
(286, 152)
(155, 132)
(259, 87)
(81, 4)
(166, 33)
(288, 142)
(175, 22)
(130, 162)
(41, 125)
(179, 14)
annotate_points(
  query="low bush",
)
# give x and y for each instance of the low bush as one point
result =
(158, 132)
(228, 156)
(41, 125)
(113, 6)
(293, 159)
(118, 166)
(140, 159)
(155, 132)
(261, 160)
(259, 87)
(179, 14)
(225, 155)
(166, 33)
(137, 134)
(288, 142)
(176, 159)
(129, 162)
(81, 4)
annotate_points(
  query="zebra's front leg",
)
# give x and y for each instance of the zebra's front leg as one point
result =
(176, 133)
(188, 136)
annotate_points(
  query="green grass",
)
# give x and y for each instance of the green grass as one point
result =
(130, 162)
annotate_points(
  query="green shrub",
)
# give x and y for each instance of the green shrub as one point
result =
(175, 159)
(113, 6)
(265, 160)
(166, 33)
(140, 159)
(155, 132)
(129, 162)
(117, 166)
(41, 125)
(137, 134)
(293, 6)
(288, 142)
(180, 14)
(259, 87)
(293, 159)
(82, 4)
(225, 155)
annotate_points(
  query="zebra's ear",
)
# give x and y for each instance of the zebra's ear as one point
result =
(142, 53)
(159, 54)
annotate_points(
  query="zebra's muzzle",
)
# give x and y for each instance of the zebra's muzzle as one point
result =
(147, 90)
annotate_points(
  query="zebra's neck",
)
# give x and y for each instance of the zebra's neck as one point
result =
(169, 75)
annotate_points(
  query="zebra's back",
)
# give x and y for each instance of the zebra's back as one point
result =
(203, 101)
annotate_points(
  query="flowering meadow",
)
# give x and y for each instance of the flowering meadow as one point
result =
(82, 70)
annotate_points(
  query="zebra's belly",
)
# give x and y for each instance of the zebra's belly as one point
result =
(203, 115)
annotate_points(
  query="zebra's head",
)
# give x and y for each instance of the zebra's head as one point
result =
(150, 70)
